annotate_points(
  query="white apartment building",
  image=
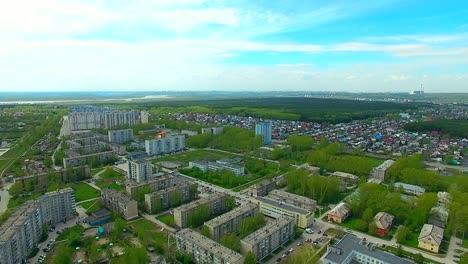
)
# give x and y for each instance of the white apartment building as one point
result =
(165, 145)
(139, 170)
(120, 136)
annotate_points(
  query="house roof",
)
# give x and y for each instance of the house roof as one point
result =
(383, 220)
(341, 209)
(431, 234)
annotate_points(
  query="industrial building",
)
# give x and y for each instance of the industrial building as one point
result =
(154, 184)
(120, 136)
(120, 203)
(293, 199)
(170, 197)
(21, 232)
(229, 222)
(164, 145)
(222, 164)
(139, 170)
(215, 202)
(379, 171)
(302, 218)
(268, 238)
(264, 130)
(205, 250)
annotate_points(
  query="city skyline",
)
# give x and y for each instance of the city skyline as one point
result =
(388, 46)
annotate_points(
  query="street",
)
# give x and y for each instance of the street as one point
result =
(4, 197)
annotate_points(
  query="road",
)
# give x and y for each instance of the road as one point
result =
(463, 168)
(4, 197)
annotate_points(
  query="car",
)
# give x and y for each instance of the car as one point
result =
(319, 232)
(278, 260)
(298, 244)
(324, 234)
(309, 240)
(291, 250)
(456, 256)
(283, 256)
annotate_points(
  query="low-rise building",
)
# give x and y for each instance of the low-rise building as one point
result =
(383, 221)
(165, 145)
(339, 213)
(430, 238)
(120, 136)
(139, 170)
(205, 250)
(379, 171)
(302, 218)
(438, 216)
(263, 188)
(348, 177)
(351, 249)
(294, 199)
(215, 202)
(230, 221)
(442, 199)
(170, 197)
(119, 202)
(223, 164)
(312, 169)
(410, 189)
(154, 184)
(268, 238)
(212, 130)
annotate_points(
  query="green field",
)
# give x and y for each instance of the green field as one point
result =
(168, 219)
(84, 192)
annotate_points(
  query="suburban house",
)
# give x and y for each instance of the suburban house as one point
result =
(383, 221)
(430, 238)
(339, 213)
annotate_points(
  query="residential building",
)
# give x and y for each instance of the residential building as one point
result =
(339, 213)
(379, 171)
(230, 221)
(345, 176)
(223, 164)
(215, 202)
(154, 184)
(442, 199)
(438, 216)
(21, 232)
(93, 117)
(120, 136)
(351, 249)
(139, 170)
(268, 238)
(78, 160)
(120, 203)
(264, 130)
(170, 197)
(302, 218)
(144, 117)
(383, 221)
(410, 189)
(212, 130)
(312, 169)
(205, 250)
(165, 145)
(430, 238)
(262, 188)
(293, 199)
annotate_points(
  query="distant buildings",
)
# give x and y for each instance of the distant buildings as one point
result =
(430, 238)
(339, 213)
(93, 117)
(268, 238)
(144, 117)
(351, 249)
(139, 170)
(294, 199)
(215, 203)
(383, 221)
(119, 202)
(262, 188)
(222, 164)
(302, 218)
(410, 189)
(21, 232)
(170, 197)
(205, 250)
(165, 145)
(264, 130)
(230, 221)
(379, 171)
(120, 136)
(154, 184)
(212, 130)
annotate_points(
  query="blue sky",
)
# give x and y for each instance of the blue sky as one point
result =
(152, 45)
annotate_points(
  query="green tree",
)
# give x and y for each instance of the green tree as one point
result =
(402, 234)
(250, 258)
(230, 241)
(300, 143)
(205, 231)
(372, 228)
(368, 215)
(199, 215)
(419, 258)
(119, 226)
(15, 189)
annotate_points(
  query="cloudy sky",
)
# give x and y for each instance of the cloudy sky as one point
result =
(160, 45)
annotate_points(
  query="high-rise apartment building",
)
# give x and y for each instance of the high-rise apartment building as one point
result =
(120, 136)
(139, 170)
(164, 145)
(264, 130)
(215, 203)
(93, 117)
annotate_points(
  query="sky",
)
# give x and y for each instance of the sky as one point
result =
(251, 45)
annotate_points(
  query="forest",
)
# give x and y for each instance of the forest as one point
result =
(454, 128)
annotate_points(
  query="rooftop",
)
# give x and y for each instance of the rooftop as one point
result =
(231, 214)
(350, 243)
(148, 182)
(287, 195)
(17, 219)
(410, 187)
(268, 229)
(197, 203)
(385, 165)
(211, 246)
(383, 220)
(431, 234)
(341, 209)
(282, 205)
(116, 195)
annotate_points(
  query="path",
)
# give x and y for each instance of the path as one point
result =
(4, 197)
(93, 185)
(156, 221)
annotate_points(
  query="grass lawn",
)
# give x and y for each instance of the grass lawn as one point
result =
(168, 219)
(199, 154)
(15, 202)
(465, 243)
(87, 204)
(412, 240)
(84, 192)
(71, 232)
(148, 232)
(110, 184)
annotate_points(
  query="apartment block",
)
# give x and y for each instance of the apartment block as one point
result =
(154, 184)
(223, 164)
(212, 130)
(264, 130)
(268, 238)
(262, 188)
(293, 199)
(93, 117)
(21, 232)
(379, 171)
(230, 221)
(139, 170)
(170, 197)
(205, 250)
(119, 202)
(215, 202)
(302, 218)
(120, 136)
(165, 145)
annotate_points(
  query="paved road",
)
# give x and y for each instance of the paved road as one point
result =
(4, 197)
(463, 168)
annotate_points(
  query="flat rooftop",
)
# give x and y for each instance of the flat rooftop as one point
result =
(199, 202)
(117, 195)
(147, 182)
(292, 196)
(267, 230)
(211, 246)
(282, 205)
(170, 189)
(17, 219)
(231, 214)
